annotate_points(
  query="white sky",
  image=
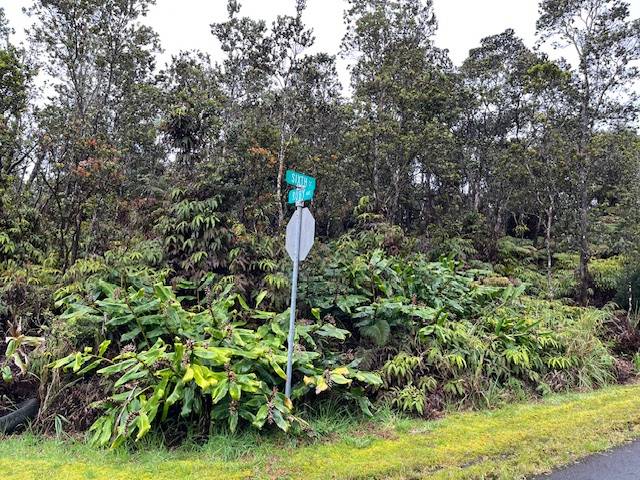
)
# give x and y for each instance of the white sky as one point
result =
(184, 24)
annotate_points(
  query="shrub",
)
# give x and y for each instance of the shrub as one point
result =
(443, 335)
(520, 346)
(607, 272)
(202, 361)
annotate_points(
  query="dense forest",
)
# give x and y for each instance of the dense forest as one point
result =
(477, 225)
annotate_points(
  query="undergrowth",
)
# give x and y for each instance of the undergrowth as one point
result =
(380, 326)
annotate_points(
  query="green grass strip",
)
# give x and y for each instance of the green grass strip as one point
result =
(507, 443)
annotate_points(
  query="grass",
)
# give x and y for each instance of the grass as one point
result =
(508, 443)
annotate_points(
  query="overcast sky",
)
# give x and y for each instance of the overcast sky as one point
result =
(184, 24)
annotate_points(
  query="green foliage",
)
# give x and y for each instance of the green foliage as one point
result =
(192, 121)
(205, 361)
(526, 344)
(259, 263)
(144, 208)
(636, 362)
(194, 234)
(378, 293)
(516, 249)
(20, 353)
(15, 82)
(442, 335)
(25, 292)
(607, 272)
(530, 341)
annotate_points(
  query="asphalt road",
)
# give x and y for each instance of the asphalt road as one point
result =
(620, 464)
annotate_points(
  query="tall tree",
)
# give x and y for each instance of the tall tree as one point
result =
(99, 136)
(279, 99)
(15, 77)
(193, 121)
(606, 43)
(549, 161)
(5, 30)
(243, 74)
(289, 39)
(17, 220)
(495, 121)
(401, 98)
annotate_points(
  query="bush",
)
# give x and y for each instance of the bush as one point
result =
(607, 272)
(527, 345)
(205, 361)
(442, 335)
(436, 333)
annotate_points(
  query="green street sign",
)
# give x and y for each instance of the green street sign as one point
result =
(299, 195)
(300, 180)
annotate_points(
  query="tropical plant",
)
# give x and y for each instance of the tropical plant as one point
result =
(206, 361)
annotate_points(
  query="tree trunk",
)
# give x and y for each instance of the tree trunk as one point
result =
(75, 245)
(281, 153)
(376, 177)
(34, 172)
(583, 269)
(476, 195)
(583, 185)
(395, 214)
(547, 241)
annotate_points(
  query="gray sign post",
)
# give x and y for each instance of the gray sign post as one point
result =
(299, 240)
(297, 221)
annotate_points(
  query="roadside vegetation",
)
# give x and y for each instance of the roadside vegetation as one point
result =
(476, 246)
(510, 443)
(127, 353)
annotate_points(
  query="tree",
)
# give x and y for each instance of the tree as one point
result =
(243, 74)
(279, 104)
(403, 105)
(193, 121)
(289, 38)
(18, 233)
(549, 161)
(98, 133)
(5, 29)
(606, 43)
(321, 120)
(14, 82)
(495, 122)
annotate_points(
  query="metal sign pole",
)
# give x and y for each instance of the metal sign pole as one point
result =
(294, 295)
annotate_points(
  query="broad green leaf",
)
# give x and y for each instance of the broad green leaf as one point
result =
(339, 379)
(341, 371)
(163, 292)
(280, 421)
(233, 421)
(243, 303)
(220, 391)
(11, 348)
(234, 390)
(261, 416)
(276, 368)
(188, 374)
(217, 355)
(143, 425)
(133, 374)
(260, 298)
(328, 330)
(103, 347)
(187, 401)
(369, 378)
(130, 335)
(321, 385)
(118, 367)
